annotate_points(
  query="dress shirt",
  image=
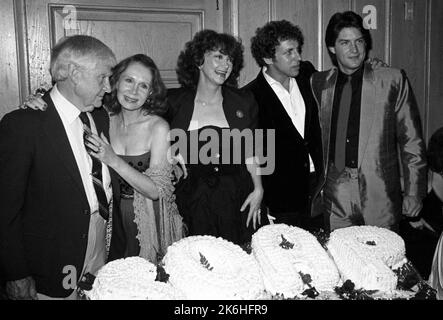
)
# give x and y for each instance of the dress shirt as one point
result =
(69, 115)
(293, 104)
(95, 255)
(353, 126)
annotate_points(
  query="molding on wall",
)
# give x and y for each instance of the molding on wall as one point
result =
(388, 31)
(23, 77)
(427, 75)
(194, 18)
(272, 10)
(320, 34)
(234, 14)
(353, 5)
(105, 13)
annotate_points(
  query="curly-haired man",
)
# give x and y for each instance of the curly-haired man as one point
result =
(286, 104)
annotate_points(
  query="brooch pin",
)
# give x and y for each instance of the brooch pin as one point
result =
(239, 114)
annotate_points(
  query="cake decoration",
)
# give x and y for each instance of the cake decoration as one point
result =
(207, 268)
(131, 278)
(367, 255)
(287, 255)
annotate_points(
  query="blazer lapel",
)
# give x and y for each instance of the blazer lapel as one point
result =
(56, 135)
(304, 91)
(231, 108)
(183, 118)
(327, 101)
(368, 101)
(280, 117)
(234, 109)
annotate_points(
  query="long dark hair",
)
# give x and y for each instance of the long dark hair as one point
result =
(155, 103)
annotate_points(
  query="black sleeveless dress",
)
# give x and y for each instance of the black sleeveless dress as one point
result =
(210, 198)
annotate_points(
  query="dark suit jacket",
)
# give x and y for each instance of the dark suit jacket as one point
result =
(44, 211)
(390, 130)
(287, 189)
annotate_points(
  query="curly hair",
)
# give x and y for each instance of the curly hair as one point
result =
(155, 103)
(194, 54)
(435, 152)
(338, 22)
(268, 37)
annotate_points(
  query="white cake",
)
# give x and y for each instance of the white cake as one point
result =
(366, 255)
(284, 253)
(130, 279)
(207, 268)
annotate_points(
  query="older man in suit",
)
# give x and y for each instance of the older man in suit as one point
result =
(54, 199)
(371, 132)
(286, 105)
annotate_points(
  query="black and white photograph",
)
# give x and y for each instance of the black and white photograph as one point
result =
(221, 158)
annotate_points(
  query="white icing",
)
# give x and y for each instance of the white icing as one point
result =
(280, 268)
(205, 267)
(230, 273)
(132, 278)
(369, 266)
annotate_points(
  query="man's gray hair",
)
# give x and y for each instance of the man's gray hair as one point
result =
(77, 49)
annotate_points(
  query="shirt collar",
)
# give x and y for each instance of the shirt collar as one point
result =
(66, 109)
(354, 77)
(273, 82)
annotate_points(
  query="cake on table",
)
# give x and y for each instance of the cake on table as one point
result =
(131, 278)
(286, 262)
(207, 268)
(285, 254)
(367, 256)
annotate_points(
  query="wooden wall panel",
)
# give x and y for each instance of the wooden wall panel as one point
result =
(303, 13)
(251, 15)
(434, 116)
(161, 34)
(254, 14)
(9, 86)
(157, 28)
(39, 43)
(328, 8)
(408, 48)
(381, 34)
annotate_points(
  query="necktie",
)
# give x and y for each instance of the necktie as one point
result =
(97, 176)
(342, 125)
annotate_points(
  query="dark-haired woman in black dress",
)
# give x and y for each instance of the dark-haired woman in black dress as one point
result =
(223, 191)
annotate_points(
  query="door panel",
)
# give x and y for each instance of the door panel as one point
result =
(9, 84)
(158, 33)
(156, 28)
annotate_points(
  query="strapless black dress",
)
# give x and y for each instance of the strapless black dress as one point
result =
(210, 198)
